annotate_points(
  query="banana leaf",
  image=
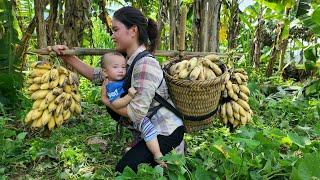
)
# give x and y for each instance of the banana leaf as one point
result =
(11, 77)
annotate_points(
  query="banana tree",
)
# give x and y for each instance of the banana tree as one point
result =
(282, 8)
(10, 66)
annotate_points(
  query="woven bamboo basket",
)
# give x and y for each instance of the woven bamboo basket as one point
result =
(195, 98)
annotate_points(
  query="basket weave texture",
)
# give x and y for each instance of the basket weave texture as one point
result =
(195, 98)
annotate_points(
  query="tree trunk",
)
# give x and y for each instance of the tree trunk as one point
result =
(283, 48)
(26, 37)
(256, 49)
(76, 18)
(206, 25)
(41, 26)
(60, 39)
(16, 9)
(174, 14)
(214, 25)
(203, 43)
(283, 45)
(234, 24)
(275, 50)
(196, 24)
(52, 22)
(279, 47)
(182, 31)
(162, 18)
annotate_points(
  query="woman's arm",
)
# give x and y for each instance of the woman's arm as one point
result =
(83, 68)
(121, 102)
(122, 111)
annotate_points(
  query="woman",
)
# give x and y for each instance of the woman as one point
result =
(132, 30)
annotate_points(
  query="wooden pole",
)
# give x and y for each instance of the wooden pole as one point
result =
(182, 35)
(97, 52)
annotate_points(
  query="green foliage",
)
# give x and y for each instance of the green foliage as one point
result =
(303, 7)
(283, 132)
(307, 167)
(100, 38)
(65, 154)
(249, 153)
(282, 141)
(312, 21)
(311, 89)
(145, 172)
(10, 77)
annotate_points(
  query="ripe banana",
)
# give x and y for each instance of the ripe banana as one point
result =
(212, 57)
(34, 87)
(38, 72)
(54, 74)
(45, 77)
(196, 69)
(41, 65)
(54, 83)
(195, 73)
(55, 94)
(40, 94)
(235, 94)
(192, 64)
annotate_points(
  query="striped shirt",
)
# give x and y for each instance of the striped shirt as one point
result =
(146, 78)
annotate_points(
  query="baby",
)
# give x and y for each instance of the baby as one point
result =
(114, 69)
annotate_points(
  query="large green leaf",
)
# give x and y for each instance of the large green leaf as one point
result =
(286, 29)
(310, 53)
(316, 15)
(298, 140)
(307, 168)
(246, 22)
(312, 21)
(312, 88)
(276, 5)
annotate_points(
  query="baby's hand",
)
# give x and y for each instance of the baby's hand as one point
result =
(132, 91)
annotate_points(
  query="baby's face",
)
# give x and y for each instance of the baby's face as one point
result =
(115, 67)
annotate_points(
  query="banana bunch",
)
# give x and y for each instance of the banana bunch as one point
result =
(235, 94)
(203, 68)
(54, 90)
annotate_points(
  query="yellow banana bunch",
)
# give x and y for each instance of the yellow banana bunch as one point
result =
(235, 109)
(200, 69)
(54, 90)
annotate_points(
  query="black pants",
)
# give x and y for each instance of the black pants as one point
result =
(141, 154)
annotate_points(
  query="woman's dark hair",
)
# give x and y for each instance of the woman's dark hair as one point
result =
(147, 27)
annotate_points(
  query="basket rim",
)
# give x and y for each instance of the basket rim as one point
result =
(188, 82)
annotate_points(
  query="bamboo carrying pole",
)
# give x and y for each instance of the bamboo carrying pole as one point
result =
(97, 52)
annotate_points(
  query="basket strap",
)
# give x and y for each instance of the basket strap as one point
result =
(155, 109)
(169, 106)
(127, 79)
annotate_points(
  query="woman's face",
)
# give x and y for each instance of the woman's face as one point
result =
(122, 36)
